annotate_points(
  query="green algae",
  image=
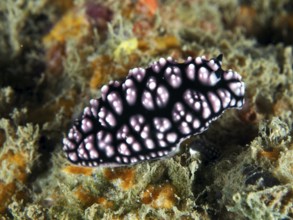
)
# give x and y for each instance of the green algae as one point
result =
(259, 200)
(203, 191)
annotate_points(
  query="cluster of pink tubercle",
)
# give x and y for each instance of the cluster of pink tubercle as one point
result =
(147, 116)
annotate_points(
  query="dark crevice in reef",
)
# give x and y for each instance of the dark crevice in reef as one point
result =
(214, 146)
(45, 150)
(206, 196)
(267, 23)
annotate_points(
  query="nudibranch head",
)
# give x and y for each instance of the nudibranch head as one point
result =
(147, 116)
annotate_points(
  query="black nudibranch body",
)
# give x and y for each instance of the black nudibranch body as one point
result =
(146, 116)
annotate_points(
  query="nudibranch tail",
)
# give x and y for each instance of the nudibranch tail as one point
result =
(147, 116)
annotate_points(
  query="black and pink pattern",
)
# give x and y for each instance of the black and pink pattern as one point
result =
(148, 115)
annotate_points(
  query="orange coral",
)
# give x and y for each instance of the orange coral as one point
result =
(87, 198)
(246, 17)
(159, 44)
(272, 155)
(72, 25)
(161, 196)
(105, 203)
(124, 175)
(104, 66)
(6, 192)
(17, 165)
(17, 162)
(77, 170)
(76, 26)
(101, 67)
(152, 5)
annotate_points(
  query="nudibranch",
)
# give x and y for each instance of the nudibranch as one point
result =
(148, 115)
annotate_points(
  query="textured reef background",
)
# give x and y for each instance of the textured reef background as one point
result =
(54, 57)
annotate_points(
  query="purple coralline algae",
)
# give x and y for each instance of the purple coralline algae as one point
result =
(152, 111)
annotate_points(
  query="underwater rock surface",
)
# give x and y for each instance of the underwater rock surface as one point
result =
(56, 55)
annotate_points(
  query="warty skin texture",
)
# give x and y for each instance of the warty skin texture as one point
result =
(152, 111)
